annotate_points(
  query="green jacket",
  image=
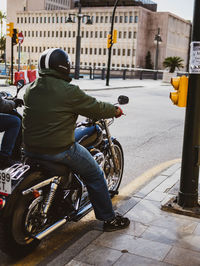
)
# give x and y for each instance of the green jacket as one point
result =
(52, 106)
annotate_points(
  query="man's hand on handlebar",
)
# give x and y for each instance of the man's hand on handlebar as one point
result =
(118, 112)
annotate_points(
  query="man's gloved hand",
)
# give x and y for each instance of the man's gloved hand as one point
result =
(18, 102)
(118, 112)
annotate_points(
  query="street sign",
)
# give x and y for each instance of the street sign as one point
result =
(20, 37)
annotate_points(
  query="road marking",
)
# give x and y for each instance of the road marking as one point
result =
(65, 234)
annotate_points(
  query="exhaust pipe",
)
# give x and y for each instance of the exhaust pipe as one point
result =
(50, 229)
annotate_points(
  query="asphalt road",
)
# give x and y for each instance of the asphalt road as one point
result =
(151, 133)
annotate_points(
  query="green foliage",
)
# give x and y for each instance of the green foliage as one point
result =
(148, 62)
(172, 63)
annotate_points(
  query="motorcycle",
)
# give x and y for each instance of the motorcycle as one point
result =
(38, 196)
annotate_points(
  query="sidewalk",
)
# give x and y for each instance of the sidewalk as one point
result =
(87, 84)
(155, 237)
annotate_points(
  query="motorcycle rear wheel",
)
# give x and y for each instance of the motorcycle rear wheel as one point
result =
(17, 240)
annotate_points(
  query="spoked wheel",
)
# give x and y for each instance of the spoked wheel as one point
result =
(24, 221)
(114, 177)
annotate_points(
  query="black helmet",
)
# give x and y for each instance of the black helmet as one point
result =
(55, 58)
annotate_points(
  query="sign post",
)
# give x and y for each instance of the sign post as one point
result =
(20, 40)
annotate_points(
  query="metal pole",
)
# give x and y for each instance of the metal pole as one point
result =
(11, 66)
(19, 56)
(188, 193)
(157, 49)
(110, 49)
(78, 44)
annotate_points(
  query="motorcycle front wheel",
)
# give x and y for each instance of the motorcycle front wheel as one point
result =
(114, 177)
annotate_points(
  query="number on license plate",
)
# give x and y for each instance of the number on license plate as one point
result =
(5, 182)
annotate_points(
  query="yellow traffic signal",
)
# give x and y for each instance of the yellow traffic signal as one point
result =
(114, 36)
(109, 41)
(179, 97)
(15, 36)
(10, 27)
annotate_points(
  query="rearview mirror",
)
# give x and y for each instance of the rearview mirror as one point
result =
(20, 84)
(122, 99)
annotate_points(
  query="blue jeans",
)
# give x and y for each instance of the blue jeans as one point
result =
(11, 125)
(81, 162)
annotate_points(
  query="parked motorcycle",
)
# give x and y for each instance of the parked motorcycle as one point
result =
(38, 196)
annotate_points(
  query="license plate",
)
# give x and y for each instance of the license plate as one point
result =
(5, 182)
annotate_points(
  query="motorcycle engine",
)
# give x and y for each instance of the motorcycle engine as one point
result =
(98, 156)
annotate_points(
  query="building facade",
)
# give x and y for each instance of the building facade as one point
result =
(136, 25)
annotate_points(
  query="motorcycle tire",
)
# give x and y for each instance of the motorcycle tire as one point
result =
(114, 179)
(17, 242)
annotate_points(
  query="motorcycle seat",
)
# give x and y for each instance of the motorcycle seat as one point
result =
(54, 168)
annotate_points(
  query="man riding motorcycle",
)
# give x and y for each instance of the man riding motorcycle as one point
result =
(10, 124)
(52, 106)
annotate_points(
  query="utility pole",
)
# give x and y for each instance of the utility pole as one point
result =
(78, 44)
(188, 192)
(110, 48)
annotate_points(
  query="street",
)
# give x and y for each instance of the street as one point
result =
(150, 133)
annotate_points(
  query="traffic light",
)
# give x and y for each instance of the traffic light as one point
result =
(10, 27)
(114, 36)
(179, 97)
(109, 41)
(15, 36)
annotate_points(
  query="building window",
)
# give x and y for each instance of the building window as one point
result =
(53, 19)
(29, 33)
(116, 19)
(33, 20)
(125, 35)
(36, 19)
(32, 33)
(135, 34)
(36, 34)
(25, 20)
(32, 49)
(128, 52)
(18, 20)
(90, 50)
(44, 33)
(87, 34)
(136, 19)
(21, 20)
(124, 52)
(40, 19)
(65, 34)
(36, 49)
(82, 34)
(40, 33)
(48, 33)
(60, 34)
(125, 19)
(104, 51)
(131, 19)
(97, 19)
(105, 34)
(56, 33)
(69, 34)
(129, 34)
(74, 34)
(120, 34)
(45, 20)
(100, 34)
(73, 50)
(96, 34)
(57, 19)
(61, 19)
(101, 19)
(68, 50)
(95, 50)
(120, 19)
(106, 19)
(52, 34)
(99, 51)
(91, 34)
(49, 19)
(114, 51)
(118, 52)
(86, 50)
